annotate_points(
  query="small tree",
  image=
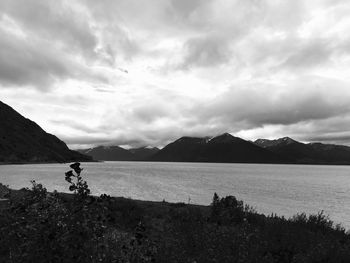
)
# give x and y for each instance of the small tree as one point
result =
(77, 184)
(215, 209)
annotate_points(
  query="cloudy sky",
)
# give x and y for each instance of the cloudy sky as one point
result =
(133, 72)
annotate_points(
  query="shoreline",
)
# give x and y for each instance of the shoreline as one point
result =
(107, 229)
(151, 161)
(68, 162)
(18, 193)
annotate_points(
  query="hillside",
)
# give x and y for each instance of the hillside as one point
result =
(310, 153)
(117, 153)
(224, 148)
(22, 140)
(108, 153)
(143, 153)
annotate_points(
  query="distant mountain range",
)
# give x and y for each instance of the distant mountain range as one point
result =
(226, 148)
(117, 153)
(23, 141)
(306, 153)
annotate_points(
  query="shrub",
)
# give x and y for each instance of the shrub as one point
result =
(228, 210)
(50, 227)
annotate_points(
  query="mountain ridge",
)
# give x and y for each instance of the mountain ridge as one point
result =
(307, 153)
(226, 148)
(118, 153)
(24, 141)
(223, 148)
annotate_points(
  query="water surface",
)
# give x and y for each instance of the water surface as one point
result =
(282, 189)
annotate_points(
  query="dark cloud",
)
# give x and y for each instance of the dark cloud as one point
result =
(45, 42)
(131, 72)
(23, 63)
(80, 142)
(76, 125)
(309, 54)
(85, 141)
(186, 8)
(262, 104)
(53, 20)
(190, 14)
(104, 90)
(206, 52)
(150, 113)
(337, 138)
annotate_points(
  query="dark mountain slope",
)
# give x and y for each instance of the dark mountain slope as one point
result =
(143, 153)
(108, 153)
(185, 149)
(291, 150)
(311, 153)
(117, 153)
(227, 148)
(22, 140)
(330, 153)
(224, 148)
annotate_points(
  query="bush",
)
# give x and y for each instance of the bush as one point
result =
(50, 227)
(228, 210)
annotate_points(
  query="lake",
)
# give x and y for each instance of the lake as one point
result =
(282, 189)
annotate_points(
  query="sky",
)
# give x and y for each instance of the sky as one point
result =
(136, 73)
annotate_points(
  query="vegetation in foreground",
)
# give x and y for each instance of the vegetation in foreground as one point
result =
(37, 226)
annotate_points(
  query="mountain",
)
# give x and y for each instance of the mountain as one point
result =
(224, 148)
(308, 153)
(143, 153)
(265, 143)
(331, 153)
(108, 153)
(287, 148)
(117, 153)
(22, 140)
(185, 149)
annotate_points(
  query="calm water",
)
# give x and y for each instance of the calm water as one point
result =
(282, 189)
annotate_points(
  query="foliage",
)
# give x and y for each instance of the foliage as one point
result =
(52, 227)
(78, 186)
(234, 232)
(229, 210)
(39, 226)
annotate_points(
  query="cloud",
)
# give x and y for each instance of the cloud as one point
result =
(335, 138)
(131, 72)
(206, 52)
(308, 54)
(58, 21)
(45, 42)
(25, 64)
(76, 125)
(258, 104)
